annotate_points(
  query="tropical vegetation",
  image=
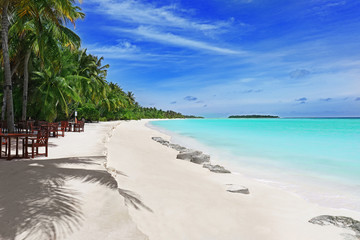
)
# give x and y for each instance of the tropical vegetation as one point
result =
(253, 116)
(46, 75)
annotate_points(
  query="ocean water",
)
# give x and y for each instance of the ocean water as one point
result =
(318, 159)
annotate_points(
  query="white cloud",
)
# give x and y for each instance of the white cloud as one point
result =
(172, 39)
(137, 12)
(123, 50)
(122, 47)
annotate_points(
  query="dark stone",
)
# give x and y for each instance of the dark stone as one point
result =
(177, 147)
(199, 159)
(216, 168)
(161, 141)
(338, 221)
(233, 188)
(188, 155)
(157, 139)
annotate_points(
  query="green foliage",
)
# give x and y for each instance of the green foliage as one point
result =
(103, 119)
(253, 116)
(89, 112)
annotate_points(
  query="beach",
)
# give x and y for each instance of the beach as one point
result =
(182, 200)
(69, 195)
(114, 182)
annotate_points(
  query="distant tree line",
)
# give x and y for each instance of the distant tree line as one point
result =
(253, 116)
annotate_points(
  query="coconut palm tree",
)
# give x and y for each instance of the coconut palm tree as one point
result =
(41, 31)
(7, 69)
(57, 12)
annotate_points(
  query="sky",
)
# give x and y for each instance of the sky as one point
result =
(216, 58)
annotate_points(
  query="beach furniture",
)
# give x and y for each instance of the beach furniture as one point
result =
(41, 140)
(33, 129)
(63, 127)
(70, 126)
(20, 126)
(3, 126)
(3, 141)
(53, 129)
(13, 148)
(24, 126)
(79, 126)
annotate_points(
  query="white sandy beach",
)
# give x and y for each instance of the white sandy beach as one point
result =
(72, 194)
(182, 200)
(68, 195)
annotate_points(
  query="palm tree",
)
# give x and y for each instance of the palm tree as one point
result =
(131, 98)
(42, 34)
(58, 12)
(54, 93)
(7, 69)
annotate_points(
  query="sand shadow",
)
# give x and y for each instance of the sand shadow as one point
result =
(133, 200)
(35, 200)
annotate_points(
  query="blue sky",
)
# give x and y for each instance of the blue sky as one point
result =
(220, 57)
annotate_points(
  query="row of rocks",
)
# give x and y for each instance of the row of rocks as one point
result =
(338, 221)
(192, 155)
(216, 168)
(199, 157)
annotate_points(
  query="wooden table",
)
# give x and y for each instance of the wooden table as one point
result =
(11, 136)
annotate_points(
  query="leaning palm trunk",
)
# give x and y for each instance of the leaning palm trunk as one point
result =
(26, 83)
(7, 70)
(3, 107)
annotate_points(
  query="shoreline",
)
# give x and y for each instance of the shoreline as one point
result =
(113, 181)
(175, 191)
(330, 192)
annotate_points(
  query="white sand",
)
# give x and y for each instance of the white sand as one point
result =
(68, 195)
(172, 199)
(71, 195)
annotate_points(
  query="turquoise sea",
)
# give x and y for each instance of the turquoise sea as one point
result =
(317, 158)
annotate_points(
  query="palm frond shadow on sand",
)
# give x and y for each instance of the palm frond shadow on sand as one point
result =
(35, 203)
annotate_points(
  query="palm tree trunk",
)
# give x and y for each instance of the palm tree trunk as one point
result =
(3, 107)
(7, 70)
(26, 83)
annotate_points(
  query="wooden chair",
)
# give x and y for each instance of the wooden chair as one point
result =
(33, 129)
(53, 129)
(4, 142)
(3, 126)
(63, 127)
(41, 140)
(21, 126)
(79, 126)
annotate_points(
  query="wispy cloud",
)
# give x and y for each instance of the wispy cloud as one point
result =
(124, 49)
(165, 24)
(326, 99)
(173, 102)
(190, 98)
(252, 91)
(357, 99)
(299, 73)
(141, 13)
(172, 39)
(301, 100)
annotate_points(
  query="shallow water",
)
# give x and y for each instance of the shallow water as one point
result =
(318, 159)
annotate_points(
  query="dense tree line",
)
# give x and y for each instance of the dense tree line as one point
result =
(46, 75)
(253, 116)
